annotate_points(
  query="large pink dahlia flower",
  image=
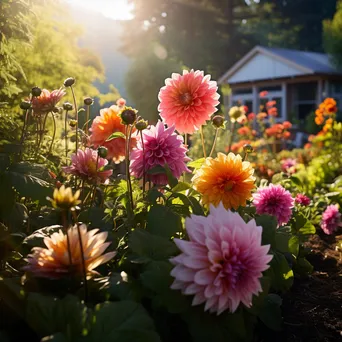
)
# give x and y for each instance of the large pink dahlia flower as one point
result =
(222, 263)
(162, 146)
(188, 100)
(331, 219)
(47, 101)
(274, 200)
(84, 166)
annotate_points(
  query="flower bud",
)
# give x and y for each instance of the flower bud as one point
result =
(36, 91)
(25, 105)
(128, 116)
(88, 101)
(218, 121)
(102, 151)
(69, 82)
(72, 123)
(247, 148)
(141, 125)
(67, 106)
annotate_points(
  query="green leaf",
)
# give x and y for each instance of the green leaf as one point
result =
(307, 229)
(294, 245)
(123, 321)
(196, 164)
(197, 209)
(4, 161)
(153, 194)
(269, 227)
(277, 178)
(270, 314)
(282, 241)
(116, 135)
(173, 181)
(151, 247)
(303, 267)
(296, 181)
(181, 186)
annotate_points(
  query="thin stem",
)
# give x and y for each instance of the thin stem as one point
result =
(231, 136)
(54, 132)
(42, 130)
(94, 193)
(87, 120)
(65, 226)
(214, 143)
(66, 135)
(144, 171)
(203, 146)
(128, 177)
(76, 110)
(83, 263)
(23, 132)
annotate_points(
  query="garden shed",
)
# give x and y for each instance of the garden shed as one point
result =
(297, 80)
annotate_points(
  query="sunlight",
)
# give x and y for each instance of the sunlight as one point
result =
(114, 9)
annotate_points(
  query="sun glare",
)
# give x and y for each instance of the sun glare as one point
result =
(114, 9)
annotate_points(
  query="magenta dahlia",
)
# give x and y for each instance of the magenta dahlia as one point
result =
(222, 263)
(188, 100)
(331, 219)
(274, 200)
(302, 199)
(162, 147)
(47, 101)
(84, 166)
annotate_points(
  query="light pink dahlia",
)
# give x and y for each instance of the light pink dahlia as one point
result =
(274, 200)
(47, 101)
(188, 100)
(162, 147)
(331, 219)
(84, 166)
(289, 165)
(222, 263)
(302, 199)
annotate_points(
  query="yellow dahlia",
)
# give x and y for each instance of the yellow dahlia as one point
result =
(54, 262)
(64, 199)
(225, 179)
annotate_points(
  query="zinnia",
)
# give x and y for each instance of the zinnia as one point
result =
(274, 200)
(225, 179)
(331, 219)
(87, 166)
(188, 100)
(47, 101)
(103, 126)
(54, 262)
(222, 263)
(162, 147)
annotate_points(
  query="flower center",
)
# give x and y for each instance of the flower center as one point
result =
(229, 185)
(91, 167)
(185, 99)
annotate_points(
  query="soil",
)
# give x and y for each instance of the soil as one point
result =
(312, 310)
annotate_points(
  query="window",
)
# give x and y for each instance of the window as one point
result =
(243, 91)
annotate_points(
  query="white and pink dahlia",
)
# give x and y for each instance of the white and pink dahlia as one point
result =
(86, 165)
(188, 100)
(222, 263)
(162, 147)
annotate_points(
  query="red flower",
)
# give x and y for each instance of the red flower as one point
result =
(263, 93)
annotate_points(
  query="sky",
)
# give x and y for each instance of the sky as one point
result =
(114, 9)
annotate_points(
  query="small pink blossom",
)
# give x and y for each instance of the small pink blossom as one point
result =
(121, 102)
(289, 165)
(84, 166)
(302, 199)
(188, 100)
(331, 219)
(162, 147)
(47, 101)
(274, 200)
(222, 263)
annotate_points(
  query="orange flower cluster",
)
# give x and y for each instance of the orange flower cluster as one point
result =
(327, 108)
(246, 131)
(238, 146)
(279, 131)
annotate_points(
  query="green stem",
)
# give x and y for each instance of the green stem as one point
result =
(203, 146)
(144, 171)
(23, 132)
(214, 143)
(76, 110)
(54, 132)
(66, 136)
(231, 136)
(128, 176)
(87, 120)
(94, 193)
(42, 131)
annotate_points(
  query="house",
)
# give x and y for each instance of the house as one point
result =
(297, 80)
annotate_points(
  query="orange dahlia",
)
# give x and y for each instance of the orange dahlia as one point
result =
(54, 262)
(103, 126)
(225, 179)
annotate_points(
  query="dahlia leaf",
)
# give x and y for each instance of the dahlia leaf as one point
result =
(270, 314)
(196, 164)
(294, 245)
(116, 135)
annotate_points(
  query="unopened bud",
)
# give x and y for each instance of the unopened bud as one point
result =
(69, 82)
(102, 151)
(67, 106)
(88, 101)
(36, 91)
(72, 123)
(128, 116)
(25, 105)
(218, 121)
(247, 148)
(141, 125)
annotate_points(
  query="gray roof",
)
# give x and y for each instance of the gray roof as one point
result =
(317, 62)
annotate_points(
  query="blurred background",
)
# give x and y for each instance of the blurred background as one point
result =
(127, 48)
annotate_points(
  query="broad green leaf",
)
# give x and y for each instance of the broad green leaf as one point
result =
(269, 227)
(296, 181)
(270, 314)
(115, 136)
(277, 178)
(303, 267)
(294, 245)
(196, 164)
(307, 229)
(181, 186)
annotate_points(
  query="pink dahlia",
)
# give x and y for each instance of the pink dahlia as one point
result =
(331, 219)
(274, 200)
(47, 101)
(302, 199)
(289, 165)
(188, 100)
(222, 263)
(162, 146)
(84, 166)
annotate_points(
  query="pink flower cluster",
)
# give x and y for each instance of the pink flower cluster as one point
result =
(222, 263)
(87, 166)
(162, 147)
(331, 219)
(274, 200)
